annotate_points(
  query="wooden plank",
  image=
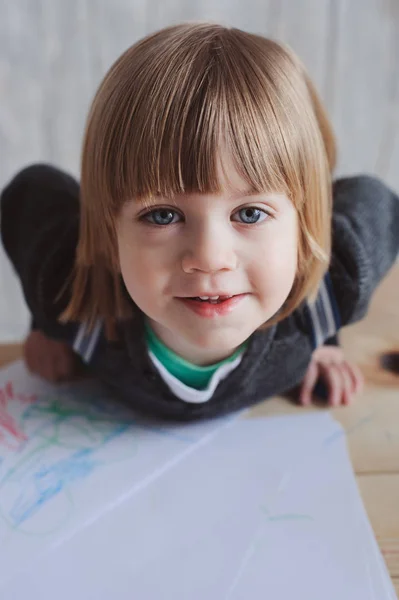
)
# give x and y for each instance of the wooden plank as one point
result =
(372, 426)
(373, 421)
(380, 494)
(369, 340)
(9, 353)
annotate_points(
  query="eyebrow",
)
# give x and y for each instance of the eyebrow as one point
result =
(246, 193)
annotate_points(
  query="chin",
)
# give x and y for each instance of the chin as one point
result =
(219, 342)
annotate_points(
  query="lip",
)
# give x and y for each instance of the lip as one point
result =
(209, 295)
(207, 310)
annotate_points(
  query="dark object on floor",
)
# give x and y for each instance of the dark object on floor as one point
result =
(321, 390)
(390, 362)
(319, 396)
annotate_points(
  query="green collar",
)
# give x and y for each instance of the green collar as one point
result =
(192, 375)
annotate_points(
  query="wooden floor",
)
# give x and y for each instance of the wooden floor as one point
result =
(372, 423)
(54, 53)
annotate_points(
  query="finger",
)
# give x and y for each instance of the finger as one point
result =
(348, 391)
(332, 375)
(357, 378)
(309, 381)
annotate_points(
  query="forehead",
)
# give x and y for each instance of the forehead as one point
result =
(229, 178)
(230, 184)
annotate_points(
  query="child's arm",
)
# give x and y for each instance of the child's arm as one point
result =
(39, 212)
(365, 242)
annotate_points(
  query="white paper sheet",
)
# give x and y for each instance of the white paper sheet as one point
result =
(67, 454)
(95, 504)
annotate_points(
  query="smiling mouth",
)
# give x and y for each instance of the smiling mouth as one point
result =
(212, 307)
(212, 299)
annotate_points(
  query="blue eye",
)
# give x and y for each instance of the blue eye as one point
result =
(161, 216)
(251, 215)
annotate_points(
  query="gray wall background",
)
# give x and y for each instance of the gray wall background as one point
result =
(54, 53)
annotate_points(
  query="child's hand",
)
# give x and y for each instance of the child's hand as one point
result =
(50, 359)
(342, 379)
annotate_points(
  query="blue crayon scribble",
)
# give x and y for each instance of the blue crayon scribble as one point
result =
(49, 481)
(64, 438)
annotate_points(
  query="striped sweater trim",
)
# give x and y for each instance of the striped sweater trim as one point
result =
(86, 341)
(323, 314)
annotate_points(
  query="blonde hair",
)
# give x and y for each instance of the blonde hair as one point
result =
(156, 126)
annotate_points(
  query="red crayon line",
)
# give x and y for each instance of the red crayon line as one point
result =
(8, 425)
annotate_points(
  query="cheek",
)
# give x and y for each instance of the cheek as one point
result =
(287, 257)
(276, 264)
(142, 268)
(131, 265)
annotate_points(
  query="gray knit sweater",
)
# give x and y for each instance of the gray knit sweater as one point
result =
(39, 229)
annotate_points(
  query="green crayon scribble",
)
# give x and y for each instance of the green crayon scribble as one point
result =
(292, 517)
(287, 516)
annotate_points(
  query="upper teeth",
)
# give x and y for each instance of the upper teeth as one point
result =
(209, 297)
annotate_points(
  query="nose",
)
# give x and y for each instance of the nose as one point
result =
(209, 249)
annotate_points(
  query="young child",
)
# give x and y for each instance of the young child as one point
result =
(207, 257)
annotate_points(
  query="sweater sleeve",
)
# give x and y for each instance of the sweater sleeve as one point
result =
(365, 242)
(39, 232)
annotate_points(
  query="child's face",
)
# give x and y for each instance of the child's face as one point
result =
(207, 245)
